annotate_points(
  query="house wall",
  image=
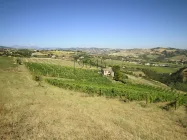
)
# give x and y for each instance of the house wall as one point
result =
(106, 72)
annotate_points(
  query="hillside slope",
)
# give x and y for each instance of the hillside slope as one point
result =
(29, 110)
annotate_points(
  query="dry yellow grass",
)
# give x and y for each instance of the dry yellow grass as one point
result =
(32, 111)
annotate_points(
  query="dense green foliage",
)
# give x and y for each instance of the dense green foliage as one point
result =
(175, 80)
(19, 61)
(90, 81)
(23, 52)
(118, 75)
(177, 76)
(162, 77)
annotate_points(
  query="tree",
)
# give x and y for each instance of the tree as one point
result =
(24, 52)
(118, 75)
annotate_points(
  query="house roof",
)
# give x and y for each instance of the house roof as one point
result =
(107, 69)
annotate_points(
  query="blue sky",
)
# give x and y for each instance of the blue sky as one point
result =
(94, 23)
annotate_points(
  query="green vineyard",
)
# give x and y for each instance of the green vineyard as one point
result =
(93, 83)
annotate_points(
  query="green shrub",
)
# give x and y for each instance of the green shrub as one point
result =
(37, 78)
(19, 61)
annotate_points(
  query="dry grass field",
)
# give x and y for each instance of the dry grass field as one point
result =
(32, 110)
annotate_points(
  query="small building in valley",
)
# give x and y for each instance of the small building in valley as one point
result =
(107, 72)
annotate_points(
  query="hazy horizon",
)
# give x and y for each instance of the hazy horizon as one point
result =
(124, 24)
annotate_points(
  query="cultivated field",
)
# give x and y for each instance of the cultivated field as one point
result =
(132, 66)
(59, 62)
(115, 62)
(38, 110)
(50, 61)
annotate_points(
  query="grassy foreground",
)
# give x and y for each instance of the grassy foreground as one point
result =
(29, 110)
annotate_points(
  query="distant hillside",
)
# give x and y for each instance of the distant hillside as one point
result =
(154, 54)
(5, 47)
